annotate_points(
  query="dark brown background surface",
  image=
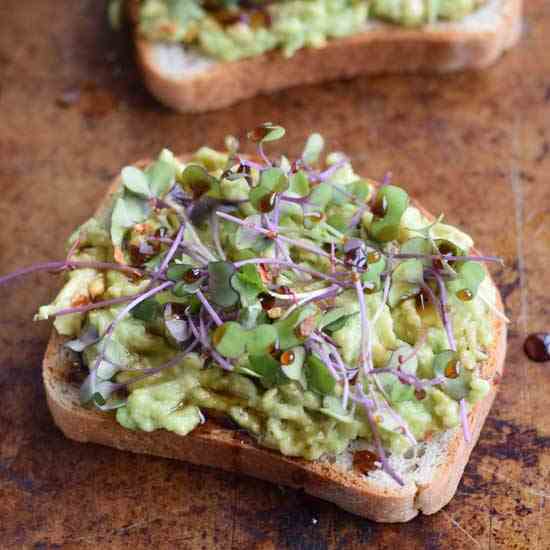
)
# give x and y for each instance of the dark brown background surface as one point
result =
(476, 146)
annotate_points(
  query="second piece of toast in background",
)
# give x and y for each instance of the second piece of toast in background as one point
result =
(182, 75)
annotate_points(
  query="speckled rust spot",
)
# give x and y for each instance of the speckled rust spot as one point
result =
(509, 441)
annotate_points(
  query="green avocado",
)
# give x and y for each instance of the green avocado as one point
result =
(270, 363)
(229, 29)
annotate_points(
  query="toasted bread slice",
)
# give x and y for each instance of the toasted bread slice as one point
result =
(431, 476)
(190, 82)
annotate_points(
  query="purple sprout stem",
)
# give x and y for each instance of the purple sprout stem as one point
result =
(407, 431)
(385, 294)
(277, 210)
(263, 155)
(416, 348)
(365, 327)
(316, 295)
(96, 305)
(295, 200)
(448, 257)
(52, 266)
(251, 164)
(145, 373)
(409, 379)
(298, 244)
(325, 174)
(325, 357)
(197, 242)
(386, 180)
(188, 248)
(216, 235)
(378, 442)
(445, 318)
(291, 265)
(204, 341)
(323, 338)
(171, 251)
(357, 216)
(211, 311)
(121, 314)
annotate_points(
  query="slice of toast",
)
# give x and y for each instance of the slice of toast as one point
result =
(431, 475)
(190, 82)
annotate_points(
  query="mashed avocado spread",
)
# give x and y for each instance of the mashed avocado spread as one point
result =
(306, 303)
(235, 29)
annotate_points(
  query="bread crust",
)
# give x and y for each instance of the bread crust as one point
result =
(384, 48)
(212, 444)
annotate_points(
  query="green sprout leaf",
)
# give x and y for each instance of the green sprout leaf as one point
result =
(183, 289)
(266, 132)
(471, 274)
(299, 183)
(361, 189)
(261, 339)
(136, 181)
(332, 406)
(268, 368)
(321, 196)
(175, 272)
(374, 270)
(406, 280)
(418, 245)
(230, 339)
(286, 328)
(339, 222)
(295, 369)
(318, 376)
(148, 310)
(457, 378)
(251, 316)
(99, 392)
(161, 176)
(248, 283)
(219, 284)
(128, 211)
(391, 203)
(196, 180)
(246, 237)
(339, 322)
(313, 148)
(272, 180)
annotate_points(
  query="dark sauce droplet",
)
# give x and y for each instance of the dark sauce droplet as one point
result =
(258, 133)
(192, 275)
(365, 461)
(452, 370)
(465, 295)
(287, 357)
(267, 203)
(379, 208)
(267, 301)
(420, 394)
(137, 258)
(537, 346)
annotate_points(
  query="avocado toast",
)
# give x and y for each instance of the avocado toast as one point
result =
(198, 56)
(285, 319)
